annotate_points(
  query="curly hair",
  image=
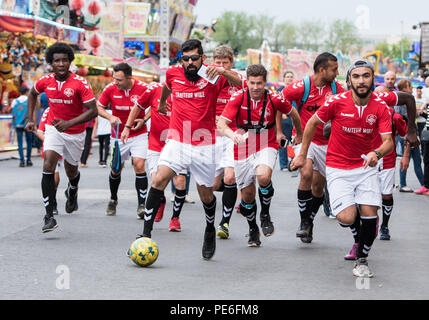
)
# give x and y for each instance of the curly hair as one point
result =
(59, 47)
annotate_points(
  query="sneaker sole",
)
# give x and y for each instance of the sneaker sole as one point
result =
(175, 230)
(357, 275)
(49, 230)
(254, 245)
(268, 234)
(347, 258)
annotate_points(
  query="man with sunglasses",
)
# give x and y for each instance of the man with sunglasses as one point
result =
(191, 137)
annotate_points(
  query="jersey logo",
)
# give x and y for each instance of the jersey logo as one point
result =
(202, 84)
(69, 92)
(134, 99)
(371, 119)
(232, 91)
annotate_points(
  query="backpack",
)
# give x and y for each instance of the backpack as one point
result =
(307, 86)
(20, 114)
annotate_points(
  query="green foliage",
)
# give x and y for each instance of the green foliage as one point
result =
(394, 51)
(343, 36)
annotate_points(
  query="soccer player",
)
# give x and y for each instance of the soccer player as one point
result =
(313, 175)
(68, 95)
(158, 134)
(191, 136)
(255, 151)
(121, 95)
(357, 117)
(225, 175)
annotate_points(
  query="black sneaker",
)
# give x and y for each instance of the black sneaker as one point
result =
(209, 245)
(29, 163)
(50, 224)
(111, 208)
(71, 203)
(384, 233)
(304, 229)
(254, 240)
(308, 239)
(22, 164)
(267, 226)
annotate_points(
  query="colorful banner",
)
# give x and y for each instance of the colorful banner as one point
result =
(6, 134)
(136, 16)
(111, 31)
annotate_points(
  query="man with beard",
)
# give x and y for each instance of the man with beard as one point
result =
(191, 137)
(357, 117)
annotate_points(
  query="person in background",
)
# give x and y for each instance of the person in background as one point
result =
(287, 125)
(88, 144)
(421, 109)
(102, 130)
(20, 117)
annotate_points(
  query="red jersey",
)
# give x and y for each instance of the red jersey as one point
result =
(66, 99)
(316, 99)
(159, 122)
(226, 94)
(121, 102)
(194, 112)
(236, 112)
(354, 128)
(399, 127)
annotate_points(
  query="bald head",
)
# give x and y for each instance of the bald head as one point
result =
(390, 80)
(381, 89)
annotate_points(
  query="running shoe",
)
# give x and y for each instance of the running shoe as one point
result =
(304, 229)
(267, 226)
(209, 245)
(22, 164)
(361, 269)
(254, 238)
(111, 208)
(175, 225)
(352, 254)
(50, 224)
(223, 231)
(29, 163)
(160, 212)
(71, 203)
(384, 233)
(309, 238)
(141, 211)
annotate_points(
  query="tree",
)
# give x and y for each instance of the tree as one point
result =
(342, 36)
(284, 37)
(263, 27)
(310, 35)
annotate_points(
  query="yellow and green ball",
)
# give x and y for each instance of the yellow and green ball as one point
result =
(144, 252)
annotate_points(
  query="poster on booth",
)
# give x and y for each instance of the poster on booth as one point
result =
(136, 17)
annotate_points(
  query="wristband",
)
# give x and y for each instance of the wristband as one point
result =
(378, 154)
(128, 127)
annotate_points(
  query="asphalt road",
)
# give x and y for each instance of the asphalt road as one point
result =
(85, 257)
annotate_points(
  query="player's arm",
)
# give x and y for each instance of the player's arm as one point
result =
(135, 111)
(225, 130)
(165, 93)
(104, 114)
(296, 119)
(39, 134)
(231, 76)
(405, 161)
(279, 132)
(309, 132)
(31, 105)
(385, 148)
(409, 100)
(88, 115)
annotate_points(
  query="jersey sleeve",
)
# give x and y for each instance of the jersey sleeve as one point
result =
(327, 112)
(146, 98)
(400, 124)
(281, 104)
(42, 124)
(385, 120)
(40, 85)
(169, 77)
(233, 107)
(104, 99)
(294, 92)
(340, 88)
(391, 98)
(86, 93)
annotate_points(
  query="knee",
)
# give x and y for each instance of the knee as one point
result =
(229, 179)
(345, 219)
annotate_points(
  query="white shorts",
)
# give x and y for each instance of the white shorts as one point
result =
(153, 160)
(59, 165)
(69, 146)
(224, 154)
(135, 147)
(387, 181)
(317, 154)
(199, 160)
(350, 187)
(245, 170)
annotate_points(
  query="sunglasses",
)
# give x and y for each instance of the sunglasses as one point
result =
(195, 57)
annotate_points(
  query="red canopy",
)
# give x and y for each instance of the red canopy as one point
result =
(16, 24)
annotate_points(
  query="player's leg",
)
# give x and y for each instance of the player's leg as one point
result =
(179, 182)
(73, 174)
(141, 183)
(266, 193)
(229, 197)
(305, 198)
(248, 208)
(48, 189)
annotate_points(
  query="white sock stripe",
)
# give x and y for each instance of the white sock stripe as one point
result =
(368, 218)
(145, 177)
(48, 173)
(366, 247)
(231, 187)
(225, 209)
(180, 197)
(226, 215)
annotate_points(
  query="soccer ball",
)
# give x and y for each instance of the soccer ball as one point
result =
(144, 252)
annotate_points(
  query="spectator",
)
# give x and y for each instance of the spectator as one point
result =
(103, 129)
(421, 110)
(415, 154)
(88, 144)
(20, 117)
(425, 147)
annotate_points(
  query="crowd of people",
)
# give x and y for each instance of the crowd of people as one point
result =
(226, 130)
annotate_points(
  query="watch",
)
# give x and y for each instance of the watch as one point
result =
(128, 127)
(378, 154)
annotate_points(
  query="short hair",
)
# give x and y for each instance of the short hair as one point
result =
(59, 47)
(23, 90)
(257, 70)
(125, 68)
(404, 83)
(322, 61)
(192, 45)
(223, 52)
(420, 87)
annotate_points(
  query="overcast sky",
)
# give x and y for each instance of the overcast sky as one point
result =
(384, 16)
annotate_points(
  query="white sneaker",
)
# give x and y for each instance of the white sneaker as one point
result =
(361, 269)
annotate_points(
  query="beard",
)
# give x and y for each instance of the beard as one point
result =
(362, 95)
(191, 73)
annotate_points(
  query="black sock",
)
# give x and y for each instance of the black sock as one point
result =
(387, 211)
(210, 210)
(179, 201)
(368, 232)
(221, 187)
(248, 210)
(153, 203)
(74, 184)
(229, 198)
(48, 192)
(141, 187)
(265, 196)
(356, 229)
(315, 206)
(114, 182)
(305, 198)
